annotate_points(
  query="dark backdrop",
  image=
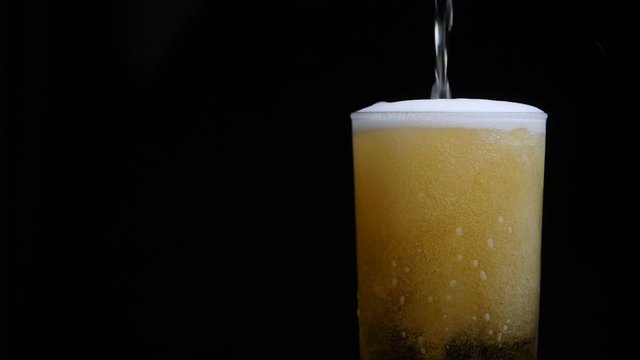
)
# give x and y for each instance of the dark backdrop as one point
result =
(178, 173)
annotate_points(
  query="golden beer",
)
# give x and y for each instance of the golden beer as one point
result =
(448, 219)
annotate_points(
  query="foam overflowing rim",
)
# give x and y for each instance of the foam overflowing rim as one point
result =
(450, 113)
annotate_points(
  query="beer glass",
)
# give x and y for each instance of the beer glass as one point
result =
(448, 221)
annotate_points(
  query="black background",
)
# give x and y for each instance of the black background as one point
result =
(178, 173)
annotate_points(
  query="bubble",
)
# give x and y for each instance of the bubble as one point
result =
(483, 275)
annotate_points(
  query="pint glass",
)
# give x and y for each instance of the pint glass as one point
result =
(448, 222)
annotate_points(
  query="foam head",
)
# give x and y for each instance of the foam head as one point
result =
(450, 113)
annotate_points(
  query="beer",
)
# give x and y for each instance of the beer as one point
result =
(448, 219)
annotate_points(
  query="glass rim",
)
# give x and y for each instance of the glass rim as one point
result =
(371, 120)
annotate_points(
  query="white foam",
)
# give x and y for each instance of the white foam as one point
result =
(450, 113)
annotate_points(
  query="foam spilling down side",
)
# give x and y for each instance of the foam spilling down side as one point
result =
(450, 113)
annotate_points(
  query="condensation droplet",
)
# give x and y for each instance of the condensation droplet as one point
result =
(393, 263)
(490, 332)
(402, 300)
(406, 269)
(487, 317)
(420, 340)
(460, 257)
(430, 299)
(423, 351)
(490, 243)
(448, 297)
(453, 283)
(510, 230)
(394, 282)
(404, 334)
(475, 263)
(501, 219)
(483, 275)
(505, 328)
